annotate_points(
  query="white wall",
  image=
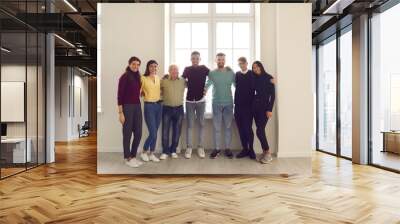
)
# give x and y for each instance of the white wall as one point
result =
(146, 40)
(61, 104)
(285, 33)
(126, 30)
(294, 89)
(67, 81)
(268, 57)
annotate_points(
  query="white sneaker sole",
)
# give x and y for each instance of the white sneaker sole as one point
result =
(154, 160)
(133, 166)
(265, 161)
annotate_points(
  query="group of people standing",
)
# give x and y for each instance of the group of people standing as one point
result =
(163, 103)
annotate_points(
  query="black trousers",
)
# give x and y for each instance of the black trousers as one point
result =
(133, 124)
(244, 123)
(261, 120)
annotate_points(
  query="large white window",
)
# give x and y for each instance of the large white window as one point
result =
(327, 95)
(346, 94)
(385, 86)
(211, 28)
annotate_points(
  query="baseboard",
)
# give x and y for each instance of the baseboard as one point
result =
(109, 149)
(294, 154)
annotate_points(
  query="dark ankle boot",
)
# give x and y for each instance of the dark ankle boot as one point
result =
(252, 154)
(242, 154)
(228, 153)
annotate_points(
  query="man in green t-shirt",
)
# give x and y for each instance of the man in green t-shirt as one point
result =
(222, 80)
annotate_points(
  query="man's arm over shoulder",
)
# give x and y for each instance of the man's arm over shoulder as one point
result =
(185, 72)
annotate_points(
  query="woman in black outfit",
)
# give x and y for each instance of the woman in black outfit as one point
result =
(130, 110)
(262, 106)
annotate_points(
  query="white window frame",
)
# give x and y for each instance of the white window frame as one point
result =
(212, 18)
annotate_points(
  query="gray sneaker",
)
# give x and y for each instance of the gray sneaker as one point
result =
(266, 157)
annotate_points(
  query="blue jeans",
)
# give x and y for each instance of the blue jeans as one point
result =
(195, 110)
(152, 117)
(172, 117)
(222, 113)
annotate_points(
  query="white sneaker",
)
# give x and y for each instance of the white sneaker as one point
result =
(174, 155)
(153, 158)
(163, 156)
(188, 153)
(144, 156)
(201, 153)
(134, 163)
(138, 161)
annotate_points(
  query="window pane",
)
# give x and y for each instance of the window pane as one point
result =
(32, 100)
(203, 56)
(394, 101)
(199, 8)
(224, 35)
(223, 8)
(182, 35)
(242, 8)
(241, 35)
(41, 99)
(199, 35)
(346, 94)
(237, 53)
(182, 8)
(182, 58)
(327, 97)
(13, 74)
(385, 92)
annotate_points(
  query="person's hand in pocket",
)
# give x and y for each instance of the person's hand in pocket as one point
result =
(269, 114)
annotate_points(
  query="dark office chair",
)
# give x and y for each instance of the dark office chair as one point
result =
(84, 130)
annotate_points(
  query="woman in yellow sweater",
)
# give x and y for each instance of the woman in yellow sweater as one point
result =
(152, 109)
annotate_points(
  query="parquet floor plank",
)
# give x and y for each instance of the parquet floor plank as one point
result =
(70, 191)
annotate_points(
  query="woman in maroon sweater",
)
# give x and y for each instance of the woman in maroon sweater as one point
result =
(130, 110)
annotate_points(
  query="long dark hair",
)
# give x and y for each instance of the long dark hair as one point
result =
(147, 72)
(260, 65)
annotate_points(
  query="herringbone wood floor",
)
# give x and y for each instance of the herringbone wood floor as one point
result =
(69, 191)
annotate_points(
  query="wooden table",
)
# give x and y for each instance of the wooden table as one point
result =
(391, 141)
